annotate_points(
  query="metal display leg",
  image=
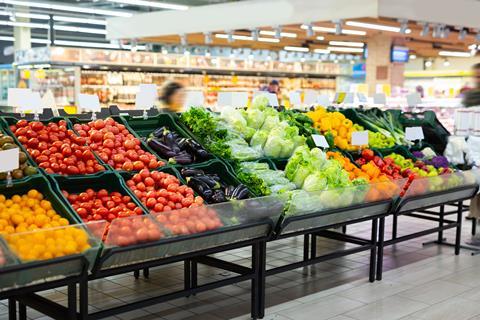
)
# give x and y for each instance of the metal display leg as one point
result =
(381, 238)
(394, 226)
(72, 300)
(187, 275)
(136, 274)
(474, 226)
(83, 301)
(12, 309)
(440, 238)
(22, 311)
(146, 273)
(313, 247)
(373, 250)
(258, 281)
(306, 246)
(458, 234)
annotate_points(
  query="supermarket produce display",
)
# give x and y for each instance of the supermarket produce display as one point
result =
(128, 193)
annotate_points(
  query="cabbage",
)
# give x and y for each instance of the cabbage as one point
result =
(259, 138)
(271, 122)
(287, 149)
(302, 202)
(331, 199)
(255, 118)
(315, 182)
(273, 146)
(260, 102)
(301, 174)
(299, 141)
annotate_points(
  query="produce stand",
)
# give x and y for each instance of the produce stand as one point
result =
(425, 194)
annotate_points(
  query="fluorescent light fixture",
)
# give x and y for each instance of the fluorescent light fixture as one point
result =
(79, 20)
(321, 38)
(80, 29)
(245, 38)
(446, 63)
(472, 46)
(298, 49)
(461, 54)
(375, 26)
(282, 34)
(412, 57)
(41, 66)
(428, 63)
(26, 15)
(153, 4)
(346, 44)
(24, 24)
(70, 8)
(94, 45)
(345, 49)
(322, 51)
(333, 30)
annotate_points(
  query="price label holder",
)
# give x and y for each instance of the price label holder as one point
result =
(414, 133)
(320, 141)
(89, 103)
(339, 97)
(414, 99)
(323, 100)
(310, 97)
(360, 139)
(380, 98)
(146, 97)
(10, 161)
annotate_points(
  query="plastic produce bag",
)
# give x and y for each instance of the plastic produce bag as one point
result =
(456, 146)
(473, 150)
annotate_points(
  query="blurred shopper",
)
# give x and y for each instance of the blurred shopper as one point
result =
(172, 96)
(420, 90)
(472, 97)
(273, 87)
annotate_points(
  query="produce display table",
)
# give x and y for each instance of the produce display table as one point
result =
(427, 194)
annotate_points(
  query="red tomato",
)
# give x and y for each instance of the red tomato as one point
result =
(108, 143)
(132, 155)
(138, 165)
(129, 144)
(151, 202)
(144, 158)
(32, 143)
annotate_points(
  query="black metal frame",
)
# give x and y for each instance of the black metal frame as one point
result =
(423, 213)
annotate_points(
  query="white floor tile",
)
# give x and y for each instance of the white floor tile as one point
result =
(370, 292)
(434, 292)
(391, 308)
(322, 309)
(451, 309)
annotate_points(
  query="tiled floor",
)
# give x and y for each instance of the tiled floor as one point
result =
(420, 282)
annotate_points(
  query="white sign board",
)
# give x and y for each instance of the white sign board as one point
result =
(295, 99)
(234, 99)
(10, 159)
(194, 99)
(146, 96)
(323, 100)
(89, 102)
(349, 98)
(414, 99)
(414, 133)
(320, 141)
(17, 96)
(379, 98)
(360, 138)
(32, 102)
(310, 97)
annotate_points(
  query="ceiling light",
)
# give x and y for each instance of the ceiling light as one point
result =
(425, 29)
(322, 51)
(472, 46)
(446, 63)
(372, 26)
(321, 38)
(272, 40)
(94, 45)
(80, 29)
(80, 20)
(412, 57)
(255, 34)
(462, 34)
(153, 4)
(24, 24)
(345, 49)
(332, 30)
(208, 37)
(164, 51)
(346, 44)
(462, 54)
(310, 31)
(70, 8)
(428, 63)
(298, 49)
(282, 34)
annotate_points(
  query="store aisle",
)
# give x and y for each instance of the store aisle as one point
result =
(420, 282)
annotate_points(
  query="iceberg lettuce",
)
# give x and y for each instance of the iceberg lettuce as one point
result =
(315, 182)
(259, 139)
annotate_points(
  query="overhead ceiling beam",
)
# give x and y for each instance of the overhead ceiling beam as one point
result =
(237, 15)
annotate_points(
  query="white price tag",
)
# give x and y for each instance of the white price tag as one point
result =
(320, 141)
(349, 98)
(414, 133)
(360, 138)
(272, 99)
(379, 98)
(48, 100)
(414, 99)
(10, 160)
(17, 96)
(361, 97)
(323, 100)
(295, 99)
(146, 96)
(239, 99)
(89, 102)
(33, 102)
